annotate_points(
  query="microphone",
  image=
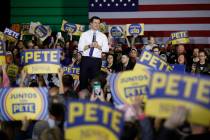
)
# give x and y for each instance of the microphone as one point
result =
(94, 37)
(94, 40)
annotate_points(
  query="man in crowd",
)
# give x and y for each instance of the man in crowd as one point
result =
(202, 66)
(92, 43)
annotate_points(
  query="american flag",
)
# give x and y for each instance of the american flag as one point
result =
(161, 17)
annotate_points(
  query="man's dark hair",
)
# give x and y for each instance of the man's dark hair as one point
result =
(203, 51)
(130, 131)
(94, 17)
(68, 81)
(57, 110)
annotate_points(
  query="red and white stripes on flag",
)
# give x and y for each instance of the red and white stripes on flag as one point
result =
(161, 17)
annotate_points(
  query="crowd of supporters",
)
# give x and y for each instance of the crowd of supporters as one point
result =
(122, 56)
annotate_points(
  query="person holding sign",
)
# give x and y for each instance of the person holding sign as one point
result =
(92, 43)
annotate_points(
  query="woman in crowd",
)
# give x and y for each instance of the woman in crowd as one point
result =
(111, 66)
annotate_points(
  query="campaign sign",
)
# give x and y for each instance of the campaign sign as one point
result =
(179, 38)
(152, 61)
(116, 31)
(103, 27)
(170, 90)
(75, 29)
(92, 121)
(2, 53)
(2, 36)
(18, 103)
(73, 71)
(39, 30)
(25, 29)
(126, 85)
(41, 61)
(178, 68)
(11, 35)
(135, 29)
(104, 69)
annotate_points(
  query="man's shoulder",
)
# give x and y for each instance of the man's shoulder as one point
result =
(86, 32)
(102, 34)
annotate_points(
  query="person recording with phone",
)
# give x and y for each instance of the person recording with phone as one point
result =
(91, 43)
(97, 92)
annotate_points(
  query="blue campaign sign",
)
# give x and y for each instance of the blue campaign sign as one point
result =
(41, 60)
(164, 92)
(101, 120)
(152, 61)
(178, 68)
(71, 70)
(170, 90)
(11, 33)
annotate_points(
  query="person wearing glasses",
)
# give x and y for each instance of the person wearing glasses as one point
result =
(202, 67)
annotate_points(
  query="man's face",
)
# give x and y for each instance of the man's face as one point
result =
(133, 54)
(195, 52)
(67, 44)
(110, 59)
(58, 46)
(95, 24)
(9, 59)
(79, 56)
(36, 47)
(118, 49)
(53, 91)
(181, 59)
(103, 55)
(75, 43)
(152, 40)
(180, 49)
(30, 45)
(124, 59)
(20, 45)
(156, 51)
(202, 57)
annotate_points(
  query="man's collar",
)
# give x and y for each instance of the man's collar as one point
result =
(92, 31)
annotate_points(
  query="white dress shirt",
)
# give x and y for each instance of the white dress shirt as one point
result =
(86, 39)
